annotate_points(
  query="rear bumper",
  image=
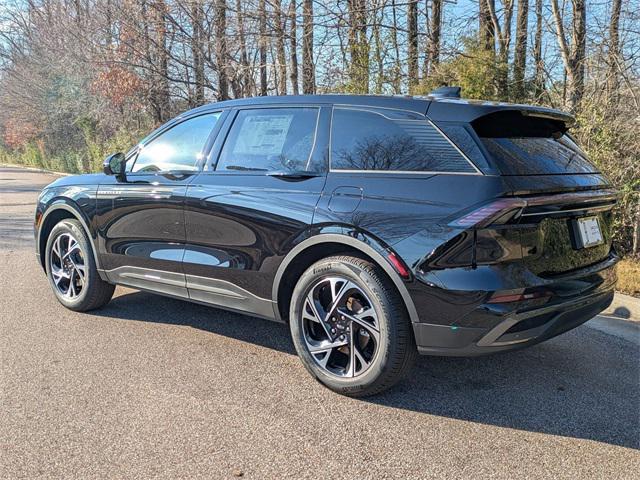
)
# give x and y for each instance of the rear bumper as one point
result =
(514, 331)
(462, 323)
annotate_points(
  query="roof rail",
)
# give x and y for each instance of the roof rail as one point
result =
(446, 92)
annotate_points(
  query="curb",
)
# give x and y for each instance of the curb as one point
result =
(38, 170)
(624, 306)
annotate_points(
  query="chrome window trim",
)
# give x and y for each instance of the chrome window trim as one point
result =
(405, 172)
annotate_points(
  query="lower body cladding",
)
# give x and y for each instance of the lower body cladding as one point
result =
(482, 327)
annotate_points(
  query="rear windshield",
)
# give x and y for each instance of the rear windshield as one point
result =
(525, 145)
(537, 155)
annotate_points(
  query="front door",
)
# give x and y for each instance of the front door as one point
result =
(141, 220)
(263, 183)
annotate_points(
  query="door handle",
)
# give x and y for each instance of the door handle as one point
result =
(293, 175)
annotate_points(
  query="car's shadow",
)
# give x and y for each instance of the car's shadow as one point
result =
(584, 384)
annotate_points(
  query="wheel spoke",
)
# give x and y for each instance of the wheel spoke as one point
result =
(80, 271)
(351, 371)
(72, 284)
(56, 247)
(339, 295)
(310, 312)
(375, 333)
(58, 274)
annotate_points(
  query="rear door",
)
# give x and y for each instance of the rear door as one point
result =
(141, 220)
(258, 193)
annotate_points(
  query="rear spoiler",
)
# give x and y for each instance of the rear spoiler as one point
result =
(456, 110)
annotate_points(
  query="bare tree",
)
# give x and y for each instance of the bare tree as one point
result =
(614, 59)
(358, 46)
(262, 42)
(434, 34)
(308, 69)
(281, 56)
(293, 46)
(485, 27)
(221, 48)
(520, 51)
(538, 78)
(573, 51)
(503, 32)
(412, 44)
(197, 39)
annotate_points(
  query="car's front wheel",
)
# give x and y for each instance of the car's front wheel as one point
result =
(350, 327)
(71, 268)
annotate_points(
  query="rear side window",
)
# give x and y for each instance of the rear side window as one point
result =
(270, 139)
(374, 141)
(527, 145)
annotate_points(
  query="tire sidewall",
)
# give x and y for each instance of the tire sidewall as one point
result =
(331, 267)
(72, 227)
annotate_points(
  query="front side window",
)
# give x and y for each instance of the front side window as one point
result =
(366, 140)
(270, 139)
(179, 148)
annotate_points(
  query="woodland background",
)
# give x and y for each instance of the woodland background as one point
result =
(83, 78)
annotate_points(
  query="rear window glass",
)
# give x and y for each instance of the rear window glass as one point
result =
(537, 155)
(374, 141)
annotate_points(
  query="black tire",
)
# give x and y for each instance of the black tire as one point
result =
(93, 292)
(395, 350)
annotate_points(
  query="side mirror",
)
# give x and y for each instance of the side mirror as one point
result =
(115, 164)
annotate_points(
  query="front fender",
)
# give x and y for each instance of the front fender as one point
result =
(67, 202)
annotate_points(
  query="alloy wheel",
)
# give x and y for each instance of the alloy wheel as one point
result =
(68, 270)
(340, 327)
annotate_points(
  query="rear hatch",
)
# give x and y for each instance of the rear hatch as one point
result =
(566, 223)
(559, 207)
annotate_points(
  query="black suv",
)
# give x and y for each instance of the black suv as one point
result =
(376, 227)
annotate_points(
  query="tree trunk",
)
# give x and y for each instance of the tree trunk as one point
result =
(280, 52)
(245, 73)
(308, 69)
(397, 69)
(537, 54)
(573, 55)
(262, 41)
(486, 28)
(196, 51)
(293, 38)
(580, 50)
(614, 50)
(504, 41)
(412, 45)
(520, 52)
(378, 17)
(358, 46)
(221, 48)
(434, 36)
(161, 82)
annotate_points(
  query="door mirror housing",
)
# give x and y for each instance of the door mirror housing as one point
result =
(115, 164)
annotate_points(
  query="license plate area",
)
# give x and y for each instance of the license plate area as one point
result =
(587, 232)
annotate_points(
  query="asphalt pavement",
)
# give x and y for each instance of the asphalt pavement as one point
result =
(151, 387)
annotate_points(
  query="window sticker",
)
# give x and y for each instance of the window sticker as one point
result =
(262, 135)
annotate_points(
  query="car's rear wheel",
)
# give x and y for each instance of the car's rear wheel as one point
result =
(350, 327)
(71, 268)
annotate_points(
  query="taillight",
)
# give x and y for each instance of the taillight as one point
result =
(489, 213)
(517, 297)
